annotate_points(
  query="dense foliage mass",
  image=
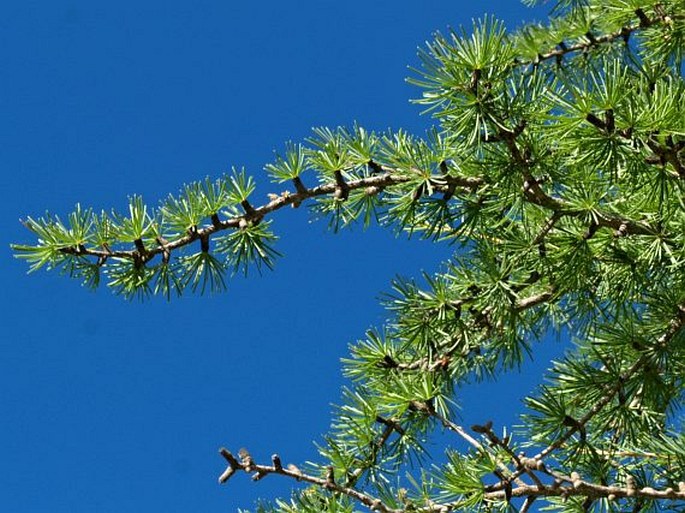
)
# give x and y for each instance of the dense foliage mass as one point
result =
(558, 168)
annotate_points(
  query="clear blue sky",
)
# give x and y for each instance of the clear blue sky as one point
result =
(110, 406)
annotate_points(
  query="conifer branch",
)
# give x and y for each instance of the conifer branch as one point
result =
(564, 188)
(580, 488)
(537, 196)
(528, 465)
(610, 391)
(442, 360)
(255, 214)
(532, 190)
(591, 41)
(504, 472)
(376, 446)
(328, 483)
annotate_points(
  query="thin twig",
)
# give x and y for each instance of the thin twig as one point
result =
(328, 483)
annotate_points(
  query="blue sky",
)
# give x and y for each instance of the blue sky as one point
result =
(112, 406)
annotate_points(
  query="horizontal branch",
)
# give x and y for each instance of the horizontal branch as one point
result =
(247, 464)
(592, 41)
(391, 177)
(254, 214)
(580, 488)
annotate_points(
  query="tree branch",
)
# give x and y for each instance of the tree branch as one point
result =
(580, 488)
(246, 464)
(593, 41)
(675, 325)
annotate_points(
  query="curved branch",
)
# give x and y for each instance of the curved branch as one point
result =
(388, 179)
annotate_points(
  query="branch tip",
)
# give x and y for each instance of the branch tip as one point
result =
(226, 475)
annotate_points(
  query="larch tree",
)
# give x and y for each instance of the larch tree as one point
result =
(557, 169)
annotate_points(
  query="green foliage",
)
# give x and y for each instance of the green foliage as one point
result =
(252, 245)
(556, 169)
(137, 225)
(289, 167)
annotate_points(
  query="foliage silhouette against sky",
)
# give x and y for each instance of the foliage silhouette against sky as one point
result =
(115, 406)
